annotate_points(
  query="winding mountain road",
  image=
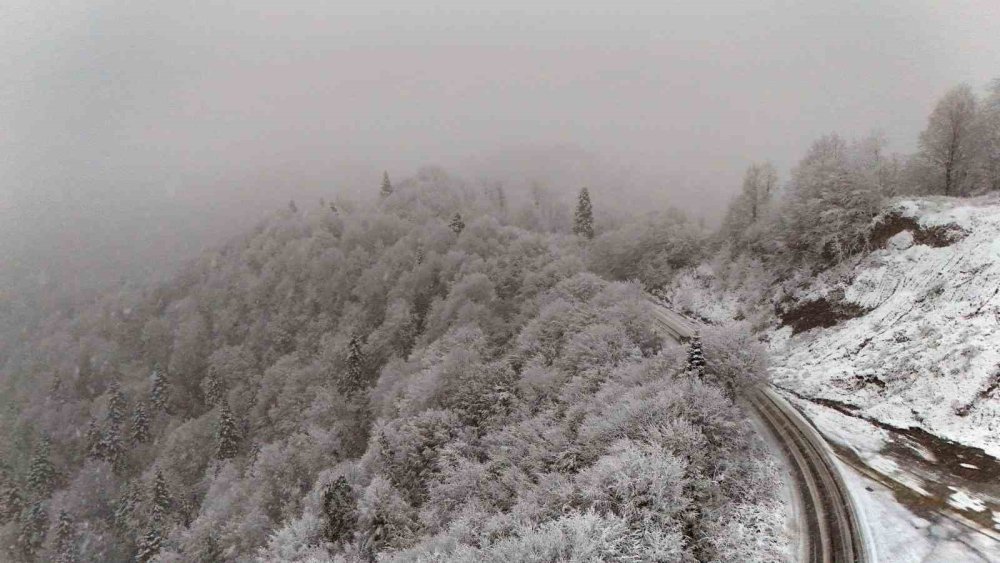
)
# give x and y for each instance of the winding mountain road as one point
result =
(832, 531)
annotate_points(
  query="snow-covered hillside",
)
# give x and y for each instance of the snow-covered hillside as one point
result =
(923, 346)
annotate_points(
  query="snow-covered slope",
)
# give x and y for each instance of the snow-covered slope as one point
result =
(925, 350)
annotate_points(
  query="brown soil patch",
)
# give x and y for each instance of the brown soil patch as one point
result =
(818, 313)
(937, 236)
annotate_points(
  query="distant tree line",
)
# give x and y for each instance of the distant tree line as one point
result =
(825, 210)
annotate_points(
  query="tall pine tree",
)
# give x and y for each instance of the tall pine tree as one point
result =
(159, 395)
(41, 473)
(112, 449)
(355, 378)
(93, 438)
(65, 540)
(31, 535)
(228, 435)
(125, 509)
(149, 544)
(212, 387)
(10, 496)
(339, 511)
(116, 405)
(583, 220)
(160, 498)
(386, 190)
(152, 540)
(112, 446)
(502, 200)
(140, 425)
(210, 551)
(696, 359)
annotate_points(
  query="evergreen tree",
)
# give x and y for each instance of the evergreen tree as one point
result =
(93, 438)
(211, 551)
(125, 508)
(112, 448)
(65, 539)
(254, 452)
(159, 396)
(160, 498)
(213, 388)
(31, 534)
(41, 473)
(149, 544)
(386, 453)
(152, 540)
(386, 186)
(355, 379)
(339, 511)
(333, 208)
(10, 497)
(696, 359)
(188, 508)
(292, 207)
(457, 225)
(228, 435)
(116, 405)
(583, 220)
(502, 201)
(140, 425)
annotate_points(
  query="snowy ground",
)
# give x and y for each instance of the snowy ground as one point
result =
(908, 393)
(915, 507)
(897, 535)
(927, 353)
(790, 501)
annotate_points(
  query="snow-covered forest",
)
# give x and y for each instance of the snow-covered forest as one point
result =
(444, 372)
(429, 376)
(688, 282)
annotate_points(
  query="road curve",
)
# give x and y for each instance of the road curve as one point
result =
(833, 533)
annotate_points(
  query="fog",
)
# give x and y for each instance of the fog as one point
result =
(132, 134)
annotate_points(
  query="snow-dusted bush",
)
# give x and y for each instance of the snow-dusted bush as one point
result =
(734, 356)
(584, 537)
(749, 533)
(641, 482)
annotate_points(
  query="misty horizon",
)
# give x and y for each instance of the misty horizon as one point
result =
(132, 132)
(689, 281)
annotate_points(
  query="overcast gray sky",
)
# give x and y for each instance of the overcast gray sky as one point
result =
(123, 123)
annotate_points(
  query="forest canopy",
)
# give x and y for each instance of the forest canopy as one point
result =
(370, 382)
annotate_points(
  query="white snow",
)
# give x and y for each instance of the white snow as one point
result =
(693, 292)
(901, 241)
(896, 535)
(929, 348)
(963, 500)
(864, 439)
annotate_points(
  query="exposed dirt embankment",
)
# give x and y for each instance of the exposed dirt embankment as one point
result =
(817, 313)
(824, 312)
(937, 236)
(907, 332)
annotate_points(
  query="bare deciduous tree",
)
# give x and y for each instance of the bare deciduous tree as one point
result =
(947, 143)
(759, 185)
(988, 168)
